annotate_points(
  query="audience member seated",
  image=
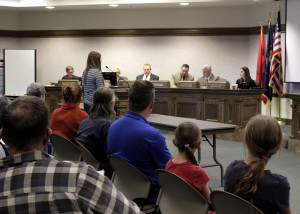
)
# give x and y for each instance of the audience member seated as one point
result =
(4, 101)
(250, 178)
(134, 140)
(245, 82)
(32, 182)
(38, 90)
(182, 75)
(70, 73)
(65, 120)
(208, 76)
(184, 164)
(147, 74)
(118, 71)
(92, 132)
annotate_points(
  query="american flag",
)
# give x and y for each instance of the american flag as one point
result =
(276, 81)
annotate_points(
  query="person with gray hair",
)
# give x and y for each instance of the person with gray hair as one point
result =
(208, 76)
(70, 73)
(36, 89)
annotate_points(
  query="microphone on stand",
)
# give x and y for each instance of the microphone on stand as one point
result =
(109, 68)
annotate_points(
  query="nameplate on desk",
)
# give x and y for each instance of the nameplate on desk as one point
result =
(161, 83)
(65, 82)
(188, 84)
(218, 85)
(126, 83)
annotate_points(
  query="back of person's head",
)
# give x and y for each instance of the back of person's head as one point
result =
(103, 103)
(36, 89)
(207, 68)
(140, 94)
(25, 121)
(4, 101)
(68, 68)
(72, 93)
(187, 137)
(263, 138)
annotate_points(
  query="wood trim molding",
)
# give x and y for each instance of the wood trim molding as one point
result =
(136, 32)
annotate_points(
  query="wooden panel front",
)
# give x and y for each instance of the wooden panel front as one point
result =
(188, 107)
(163, 105)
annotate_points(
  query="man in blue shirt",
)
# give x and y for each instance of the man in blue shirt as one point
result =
(134, 140)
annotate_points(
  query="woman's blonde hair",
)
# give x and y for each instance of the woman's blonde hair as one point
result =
(187, 137)
(263, 138)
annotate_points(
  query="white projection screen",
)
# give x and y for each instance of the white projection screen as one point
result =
(292, 67)
(19, 70)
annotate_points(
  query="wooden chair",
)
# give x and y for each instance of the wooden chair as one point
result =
(176, 196)
(64, 149)
(88, 158)
(129, 180)
(227, 203)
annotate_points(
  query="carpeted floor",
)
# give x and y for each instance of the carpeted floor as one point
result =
(285, 163)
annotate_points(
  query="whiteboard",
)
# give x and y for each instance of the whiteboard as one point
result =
(19, 70)
(292, 65)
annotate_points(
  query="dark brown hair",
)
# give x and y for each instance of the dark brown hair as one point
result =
(187, 137)
(141, 94)
(247, 76)
(72, 93)
(102, 103)
(263, 138)
(93, 61)
(25, 121)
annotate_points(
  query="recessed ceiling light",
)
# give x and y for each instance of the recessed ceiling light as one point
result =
(113, 5)
(184, 3)
(49, 7)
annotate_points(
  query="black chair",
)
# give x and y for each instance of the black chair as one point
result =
(88, 158)
(176, 196)
(64, 149)
(129, 180)
(227, 203)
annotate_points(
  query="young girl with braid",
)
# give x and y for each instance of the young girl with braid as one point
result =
(250, 178)
(187, 140)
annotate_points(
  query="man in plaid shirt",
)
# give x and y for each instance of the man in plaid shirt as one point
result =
(32, 182)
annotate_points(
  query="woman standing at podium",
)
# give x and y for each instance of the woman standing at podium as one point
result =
(245, 82)
(91, 78)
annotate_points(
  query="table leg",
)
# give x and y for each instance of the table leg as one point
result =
(215, 158)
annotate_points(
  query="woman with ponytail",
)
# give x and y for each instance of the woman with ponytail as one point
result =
(65, 120)
(184, 164)
(250, 178)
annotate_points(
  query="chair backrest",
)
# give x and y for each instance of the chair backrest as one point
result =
(128, 179)
(177, 196)
(88, 158)
(227, 203)
(64, 149)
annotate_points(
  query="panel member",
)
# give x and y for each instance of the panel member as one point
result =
(182, 75)
(208, 76)
(70, 73)
(133, 139)
(245, 82)
(147, 74)
(33, 182)
(118, 71)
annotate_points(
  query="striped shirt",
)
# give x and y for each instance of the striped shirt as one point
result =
(33, 182)
(93, 81)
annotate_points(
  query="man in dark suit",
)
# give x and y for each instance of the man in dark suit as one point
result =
(147, 74)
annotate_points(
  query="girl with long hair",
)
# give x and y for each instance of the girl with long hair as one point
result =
(91, 78)
(250, 178)
(184, 164)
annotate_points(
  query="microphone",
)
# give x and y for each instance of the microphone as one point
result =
(109, 68)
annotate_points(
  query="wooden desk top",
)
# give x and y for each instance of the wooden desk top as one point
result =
(170, 123)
